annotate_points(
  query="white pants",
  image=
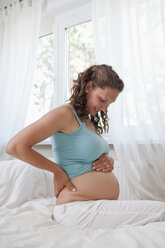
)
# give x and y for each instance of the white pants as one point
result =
(108, 213)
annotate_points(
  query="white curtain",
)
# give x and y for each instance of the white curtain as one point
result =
(19, 30)
(130, 36)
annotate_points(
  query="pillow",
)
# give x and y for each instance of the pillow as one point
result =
(21, 182)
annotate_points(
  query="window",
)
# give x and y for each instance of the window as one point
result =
(73, 49)
(80, 51)
(42, 88)
(70, 27)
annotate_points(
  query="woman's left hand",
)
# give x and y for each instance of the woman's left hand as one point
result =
(104, 163)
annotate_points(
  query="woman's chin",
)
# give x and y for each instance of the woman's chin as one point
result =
(93, 114)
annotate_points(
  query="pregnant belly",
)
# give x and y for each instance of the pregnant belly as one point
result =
(91, 186)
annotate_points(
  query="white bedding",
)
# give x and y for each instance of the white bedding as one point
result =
(26, 206)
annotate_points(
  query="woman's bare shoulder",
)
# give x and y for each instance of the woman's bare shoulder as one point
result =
(63, 112)
(58, 119)
(66, 109)
(52, 122)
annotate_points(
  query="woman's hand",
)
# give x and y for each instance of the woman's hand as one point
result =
(104, 163)
(61, 180)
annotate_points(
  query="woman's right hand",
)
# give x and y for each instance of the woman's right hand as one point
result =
(61, 180)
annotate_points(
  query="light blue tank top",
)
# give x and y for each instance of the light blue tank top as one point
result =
(75, 152)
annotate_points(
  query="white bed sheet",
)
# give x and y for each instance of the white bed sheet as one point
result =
(31, 225)
(26, 217)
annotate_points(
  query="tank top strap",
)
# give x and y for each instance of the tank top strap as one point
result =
(74, 111)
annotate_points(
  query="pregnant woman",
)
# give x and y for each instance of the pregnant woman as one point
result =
(82, 168)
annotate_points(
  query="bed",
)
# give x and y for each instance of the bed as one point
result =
(26, 205)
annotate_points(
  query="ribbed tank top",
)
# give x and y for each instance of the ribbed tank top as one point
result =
(75, 152)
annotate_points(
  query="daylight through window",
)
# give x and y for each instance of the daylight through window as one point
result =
(42, 88)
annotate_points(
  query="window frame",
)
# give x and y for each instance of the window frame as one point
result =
(61, 23)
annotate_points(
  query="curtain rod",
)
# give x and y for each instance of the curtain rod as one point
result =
(10, 2)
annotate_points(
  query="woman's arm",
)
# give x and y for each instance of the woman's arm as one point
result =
(20, 146)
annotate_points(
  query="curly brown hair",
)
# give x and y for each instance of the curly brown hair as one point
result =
(101, 76)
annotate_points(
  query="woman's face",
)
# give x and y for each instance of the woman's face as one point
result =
(99, 99)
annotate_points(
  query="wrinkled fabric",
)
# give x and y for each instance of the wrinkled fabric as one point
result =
(108, 213)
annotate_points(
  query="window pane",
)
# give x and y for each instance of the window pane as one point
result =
(80, 51)
(43, 80)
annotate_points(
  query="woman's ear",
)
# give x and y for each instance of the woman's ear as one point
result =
(88, 86)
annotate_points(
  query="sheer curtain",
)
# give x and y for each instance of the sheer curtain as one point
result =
(130, 36)
(19, 29)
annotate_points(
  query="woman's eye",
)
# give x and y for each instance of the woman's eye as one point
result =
(102, 100)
